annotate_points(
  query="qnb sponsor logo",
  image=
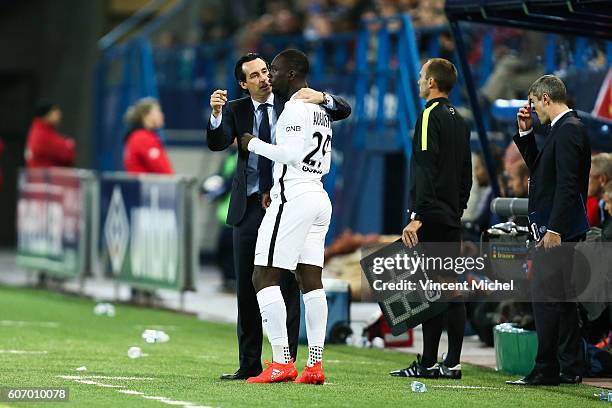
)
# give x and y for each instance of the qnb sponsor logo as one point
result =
(40, 225)
(310, 170)
(154, 242)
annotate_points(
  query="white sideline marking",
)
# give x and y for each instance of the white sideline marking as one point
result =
(109, 385)
(101, 377)
(171, 402)
(466, 387)
(165, 400)
(22, 323)
(130, 392)
(205, 357)
(86, 382)
(23, 352)
(156, 326)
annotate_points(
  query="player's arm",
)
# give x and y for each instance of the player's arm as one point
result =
(341, 109)
(289, 129)
(336, 107)
(426, 157)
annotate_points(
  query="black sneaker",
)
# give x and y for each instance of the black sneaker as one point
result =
(452, 373)
(416, 370)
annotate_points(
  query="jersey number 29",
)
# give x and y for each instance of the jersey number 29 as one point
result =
(324, 146)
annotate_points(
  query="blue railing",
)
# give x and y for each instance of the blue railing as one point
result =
(124, 73)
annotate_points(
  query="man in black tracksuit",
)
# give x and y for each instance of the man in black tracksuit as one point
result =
(441, 178)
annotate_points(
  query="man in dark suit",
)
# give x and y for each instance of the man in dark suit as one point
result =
(558, 185)
(257, 114)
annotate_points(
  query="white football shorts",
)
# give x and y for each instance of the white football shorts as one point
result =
(294, 232)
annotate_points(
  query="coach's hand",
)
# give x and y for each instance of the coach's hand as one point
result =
(217, 100)
(524, 118)
(550, 240)
(266, 200)
(309, 95)
(409, 236)
(244, 141)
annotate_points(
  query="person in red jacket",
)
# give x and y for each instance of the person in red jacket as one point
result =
(144, 151)
(46, 147)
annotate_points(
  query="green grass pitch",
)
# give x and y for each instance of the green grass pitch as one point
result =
(185, 370)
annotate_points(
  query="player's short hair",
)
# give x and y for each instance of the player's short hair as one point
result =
(443, 72)
(238, 71)
(297, 61)
(551, 86)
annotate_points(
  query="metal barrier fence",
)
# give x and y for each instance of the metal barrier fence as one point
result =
(139, 230)
(56, 228)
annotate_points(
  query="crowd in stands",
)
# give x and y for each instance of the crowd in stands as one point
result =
(516, 57)
(314, 19)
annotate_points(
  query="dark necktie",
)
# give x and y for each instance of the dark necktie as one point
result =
(264, 165)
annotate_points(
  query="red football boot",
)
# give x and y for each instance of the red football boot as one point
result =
(276, 372)
(312, 375)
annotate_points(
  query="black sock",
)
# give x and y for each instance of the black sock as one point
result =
(432, 330)
(455, 329)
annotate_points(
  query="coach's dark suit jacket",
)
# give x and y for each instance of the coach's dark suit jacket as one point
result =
(237, 120)
(559, 171)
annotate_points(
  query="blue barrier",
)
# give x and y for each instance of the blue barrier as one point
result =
(147, 230)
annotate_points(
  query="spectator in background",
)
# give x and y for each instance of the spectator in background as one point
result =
(518, 186)
(515, 68)
(144, 151)
(428, 13)
(518, 180)
(479, 217)
(606, 230)
(46, 147)
(599, 176)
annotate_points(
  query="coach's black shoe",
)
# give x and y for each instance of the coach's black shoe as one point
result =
(535, 379)
(569, 379)
(416, 370)
(238, 375)
(452, 373)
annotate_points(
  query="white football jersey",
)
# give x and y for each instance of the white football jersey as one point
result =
(302, 154)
